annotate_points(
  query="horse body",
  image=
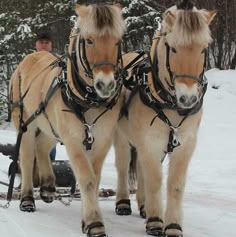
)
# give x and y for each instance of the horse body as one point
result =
(60, 120)
(180, 51)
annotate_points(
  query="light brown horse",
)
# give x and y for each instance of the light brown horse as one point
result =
(80, 109)
(163, 117)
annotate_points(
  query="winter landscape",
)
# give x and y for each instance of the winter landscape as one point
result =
(210, 197)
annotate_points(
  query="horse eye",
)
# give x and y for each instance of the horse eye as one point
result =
(204, 51)
(89, 41)
(173, 50)
(117, 44)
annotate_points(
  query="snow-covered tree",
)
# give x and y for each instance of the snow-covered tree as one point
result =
(20, 21)
(142, 17)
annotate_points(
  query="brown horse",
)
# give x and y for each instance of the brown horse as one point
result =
(163, 117)
(78, 106)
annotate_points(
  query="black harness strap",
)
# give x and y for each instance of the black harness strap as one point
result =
(22, 129)
(89, 98)
(170, 101)
(56, 83)
(132, 83)
(79, 107)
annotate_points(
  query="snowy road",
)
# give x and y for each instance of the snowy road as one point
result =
(210, 198)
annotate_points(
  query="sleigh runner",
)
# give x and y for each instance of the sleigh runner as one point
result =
(61, 194)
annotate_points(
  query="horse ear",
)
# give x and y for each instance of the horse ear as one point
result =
(117, 5)
(210, 16)
(81, 10)
(169, 18)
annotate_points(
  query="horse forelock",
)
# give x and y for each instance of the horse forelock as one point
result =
(190, 26)
(102, 20)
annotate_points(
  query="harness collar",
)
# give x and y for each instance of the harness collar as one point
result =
(87, 97)
(166, 100)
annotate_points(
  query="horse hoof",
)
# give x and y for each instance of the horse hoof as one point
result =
(91, 229)
(172, 235)
(123, 207)
(142, 212)
(154, 229)
(27, 204)
(173, 228)
(97, 235)
(47, 194)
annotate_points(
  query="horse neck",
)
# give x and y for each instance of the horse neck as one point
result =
(74, 37)
(161, 54)
(159, 48)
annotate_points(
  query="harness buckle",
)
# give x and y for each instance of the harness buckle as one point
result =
(68, 93)
(145, 78)
(89, 135)
(175, 140)
(88, 89)
(140, 81)
(147, 92)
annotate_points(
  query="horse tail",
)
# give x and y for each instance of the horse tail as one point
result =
(7, 149)
(15, 76)
(133, 167)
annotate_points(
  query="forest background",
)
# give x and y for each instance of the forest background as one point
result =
(20, 21)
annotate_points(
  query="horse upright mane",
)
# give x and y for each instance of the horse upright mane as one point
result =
(102, 19)
(190, 25)
(185, 5)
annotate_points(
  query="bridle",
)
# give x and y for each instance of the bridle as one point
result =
(168, 97)
(201, 80)
(88, 70)
(88, 97)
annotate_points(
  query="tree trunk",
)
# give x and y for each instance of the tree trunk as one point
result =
(233, 62)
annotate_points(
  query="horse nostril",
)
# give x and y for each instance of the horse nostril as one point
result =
(100, 85)
(183, 99)
(111, 85)
(194, 99)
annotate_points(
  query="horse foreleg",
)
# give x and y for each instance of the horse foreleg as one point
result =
(27, 154)
(122, 160)
(92, 222)
(151, 169)
(179, 162)
(47, 177)
(140, 194)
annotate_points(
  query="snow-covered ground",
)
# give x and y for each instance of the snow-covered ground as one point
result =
(210, 197)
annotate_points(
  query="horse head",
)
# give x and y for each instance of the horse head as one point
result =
(185, 42)
(101, 28)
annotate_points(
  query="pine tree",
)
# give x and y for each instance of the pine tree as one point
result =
(19, 23)
(141, 20)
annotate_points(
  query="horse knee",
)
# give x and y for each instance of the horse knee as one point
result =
(47, 181)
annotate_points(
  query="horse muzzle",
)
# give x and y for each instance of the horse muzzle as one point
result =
(187, 102)
(187, 96)
(104, 84)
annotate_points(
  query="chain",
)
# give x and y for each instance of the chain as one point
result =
(65, 203)
(5, 206)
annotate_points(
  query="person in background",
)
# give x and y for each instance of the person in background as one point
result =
(44, 43)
